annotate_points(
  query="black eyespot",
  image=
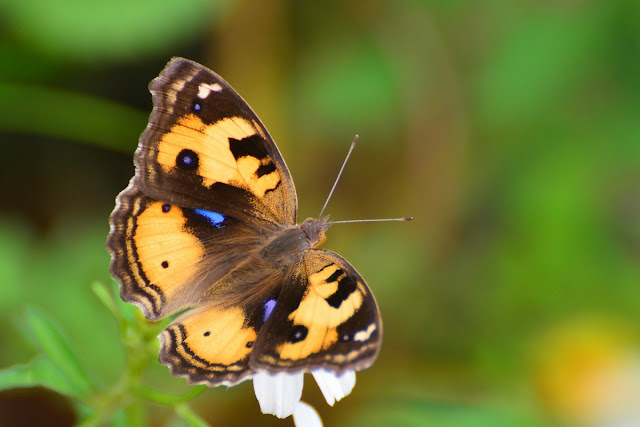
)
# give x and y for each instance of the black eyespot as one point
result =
(345, 338)
(196, 106)
(298, 333)
(165, 264)
(206, 334)
(166, 207)
(250, 344)
(187, 160)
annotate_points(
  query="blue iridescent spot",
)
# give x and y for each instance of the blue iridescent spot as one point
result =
(268, 308)
(197, 107)
(214, 218)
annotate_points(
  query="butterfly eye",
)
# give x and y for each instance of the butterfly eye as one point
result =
(298, 333)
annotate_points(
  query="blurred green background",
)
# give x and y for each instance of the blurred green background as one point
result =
(509, 130)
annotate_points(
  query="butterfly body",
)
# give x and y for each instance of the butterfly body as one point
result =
(208, 222)
(293, 241)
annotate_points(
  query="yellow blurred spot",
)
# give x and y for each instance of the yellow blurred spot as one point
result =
(587, 372)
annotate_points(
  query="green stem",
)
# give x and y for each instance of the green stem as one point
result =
(166, 398)
(107, 403)
(138, 337)
(189, 416)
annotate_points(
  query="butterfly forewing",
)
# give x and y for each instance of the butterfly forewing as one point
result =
(205, 148)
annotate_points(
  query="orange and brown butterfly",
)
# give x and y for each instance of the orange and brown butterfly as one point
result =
(209, 222)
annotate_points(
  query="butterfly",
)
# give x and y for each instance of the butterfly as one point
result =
(208, 223)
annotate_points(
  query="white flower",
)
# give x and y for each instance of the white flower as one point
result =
(334, 387)
(279, 394)
(305, 415)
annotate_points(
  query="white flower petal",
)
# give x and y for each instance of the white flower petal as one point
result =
(306, 416)
(278, 394)
(334, 387)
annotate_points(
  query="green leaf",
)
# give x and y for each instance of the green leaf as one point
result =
(53, 343)
(106, 297)
(90, 31)
(15, 251)
(68, 115)
(39, 372)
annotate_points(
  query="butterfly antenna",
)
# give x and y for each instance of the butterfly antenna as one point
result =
(351, 221)
(335, 183)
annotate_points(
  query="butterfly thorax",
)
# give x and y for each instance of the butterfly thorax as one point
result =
(290, 243)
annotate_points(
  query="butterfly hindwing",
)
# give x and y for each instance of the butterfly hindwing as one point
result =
(326, 317)
(209, 345)
(166, 257)
(212, 343)
(205, 148)
(320, 315)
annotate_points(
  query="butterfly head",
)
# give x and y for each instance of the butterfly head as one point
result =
(315, 229)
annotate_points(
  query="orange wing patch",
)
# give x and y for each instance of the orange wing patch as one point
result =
(314, 308)
(217, 161)
(167, 255)
(320, 318)
(209, 345)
